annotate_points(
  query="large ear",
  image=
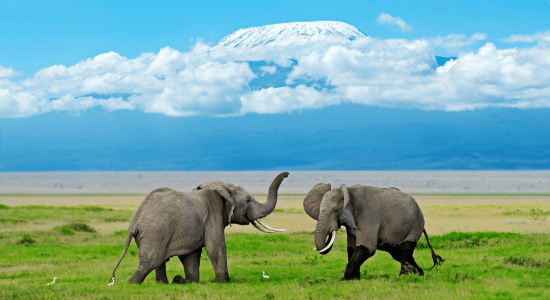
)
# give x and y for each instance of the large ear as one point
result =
(312, 202)
(346, 217)
(226, 190)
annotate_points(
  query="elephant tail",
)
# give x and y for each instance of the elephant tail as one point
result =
(128, 241)
(436, 258)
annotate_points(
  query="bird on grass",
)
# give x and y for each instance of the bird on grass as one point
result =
(265, 276)
(112, 282)
(50, 283)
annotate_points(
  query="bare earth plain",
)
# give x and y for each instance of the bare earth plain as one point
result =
(444, 213)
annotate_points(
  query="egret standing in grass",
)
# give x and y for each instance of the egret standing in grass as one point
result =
(49, 283)
(112, 282)
(265, 276)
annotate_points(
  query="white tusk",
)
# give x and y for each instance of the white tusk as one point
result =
(260, 228)
(330, 243)
(269, 227)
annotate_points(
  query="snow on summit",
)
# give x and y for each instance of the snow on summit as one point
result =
(287, 33)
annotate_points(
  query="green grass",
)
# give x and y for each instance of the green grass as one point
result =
(39, 213)
(482, 194)
(478, 265)
(69, 195)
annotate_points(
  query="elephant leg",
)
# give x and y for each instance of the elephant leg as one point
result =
(191, 264)
(150, 258)
(403, 253)
(160, 273)
(140, 274)
(351, 249)
(357, 259)
(410, 259)
(214, 243)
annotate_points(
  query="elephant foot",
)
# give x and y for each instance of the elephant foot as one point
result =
(407, 268)
(180, 280)
(353, 276)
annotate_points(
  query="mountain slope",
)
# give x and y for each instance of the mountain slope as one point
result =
(287, 33)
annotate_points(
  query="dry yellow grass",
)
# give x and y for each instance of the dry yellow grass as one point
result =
(443, 213)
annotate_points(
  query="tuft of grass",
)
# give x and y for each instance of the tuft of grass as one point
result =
(27, 240)
(526, 261)
(69, 228)
(535, 212)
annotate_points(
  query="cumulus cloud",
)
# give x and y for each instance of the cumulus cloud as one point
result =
(368, 71)
(387, 19)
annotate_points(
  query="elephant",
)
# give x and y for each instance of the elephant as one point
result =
(170, 223)
(386, 219)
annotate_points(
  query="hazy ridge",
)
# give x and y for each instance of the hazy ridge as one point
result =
(259, 181)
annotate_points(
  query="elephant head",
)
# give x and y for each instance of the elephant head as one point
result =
(241, 208)
(331, 209)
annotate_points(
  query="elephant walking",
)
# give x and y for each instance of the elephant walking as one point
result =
(375, 218)
(170, 223)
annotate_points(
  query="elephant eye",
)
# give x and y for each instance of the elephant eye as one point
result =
(336, 211)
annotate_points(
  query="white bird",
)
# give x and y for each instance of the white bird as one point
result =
(52, 281)
(265, 276)
(112, 282)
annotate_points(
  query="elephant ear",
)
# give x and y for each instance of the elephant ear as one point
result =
(312, 202)
(226, 190)
(346, 217)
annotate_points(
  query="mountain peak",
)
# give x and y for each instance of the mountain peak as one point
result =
(287, 33)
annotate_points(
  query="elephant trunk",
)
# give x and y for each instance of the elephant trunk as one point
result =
(268, 207)
(321, 233)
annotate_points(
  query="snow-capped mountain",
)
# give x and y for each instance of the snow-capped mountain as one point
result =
(287, 33)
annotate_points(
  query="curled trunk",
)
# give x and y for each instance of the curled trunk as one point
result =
(321, 233)
(268, 207)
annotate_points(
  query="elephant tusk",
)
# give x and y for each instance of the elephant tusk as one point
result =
(333, 236)
(269, 227)
(261, 228)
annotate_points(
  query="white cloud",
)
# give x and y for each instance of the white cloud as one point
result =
(387, 19)
(541, 37)
(368, 71)
(268, 69)
(455, 42)
(286, 99)
(8, 72)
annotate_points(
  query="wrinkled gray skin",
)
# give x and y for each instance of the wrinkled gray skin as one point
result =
(170, 223)
(375, 218)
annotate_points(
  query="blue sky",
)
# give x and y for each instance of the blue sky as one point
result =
(75, 92)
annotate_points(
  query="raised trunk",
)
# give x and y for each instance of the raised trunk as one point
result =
(268, 207)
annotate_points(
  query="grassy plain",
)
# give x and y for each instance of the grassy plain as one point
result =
(495, 246)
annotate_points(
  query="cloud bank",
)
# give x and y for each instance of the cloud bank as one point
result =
(392, 73)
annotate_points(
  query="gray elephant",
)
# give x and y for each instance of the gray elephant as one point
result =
(170, 223)
(375, 218)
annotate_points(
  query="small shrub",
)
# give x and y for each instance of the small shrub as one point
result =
(27, 240)
(69, 229)
(82, 227)
(2, 206)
